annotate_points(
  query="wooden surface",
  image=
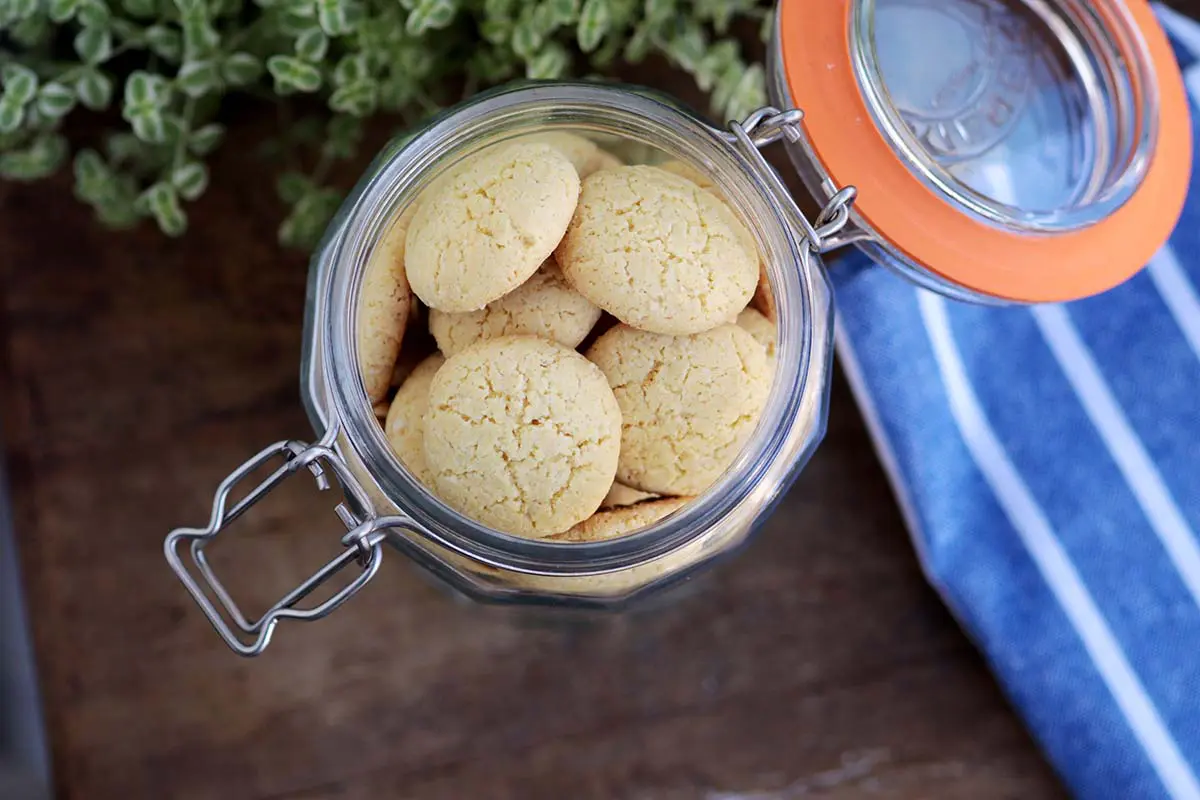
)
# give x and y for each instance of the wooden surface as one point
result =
(137, 372)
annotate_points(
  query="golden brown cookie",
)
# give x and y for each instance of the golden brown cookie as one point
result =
(483, 229)
(658, 252)
(621, 521)
(523, 435)
(405, 424)
(542, 306)
(383, 310)
(584, 154)
(688, 403)
(622, 495)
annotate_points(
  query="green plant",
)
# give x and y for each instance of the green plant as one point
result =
(166, 65)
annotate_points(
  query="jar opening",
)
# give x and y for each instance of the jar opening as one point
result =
(1034, 115)
(792, 421)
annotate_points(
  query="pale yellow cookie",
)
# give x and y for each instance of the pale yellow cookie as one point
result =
(686, 170)
(542, 306)
(622, 495)
(761, 328)
(523, 435)
(384, 305)
(688, 403)
(483, 229)
(621, 521)
(658, 252)
(584, 154)
(405, 424)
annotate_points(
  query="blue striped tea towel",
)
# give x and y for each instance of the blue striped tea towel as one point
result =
(1047, 461)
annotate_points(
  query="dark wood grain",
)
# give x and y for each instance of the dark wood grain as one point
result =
(136, 372)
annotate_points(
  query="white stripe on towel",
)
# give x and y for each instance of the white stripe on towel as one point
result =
(1052, 561)
(1178, 293)
(1126, 448)
(1184, 29)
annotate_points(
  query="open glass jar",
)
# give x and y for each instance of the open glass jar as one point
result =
(943, 159)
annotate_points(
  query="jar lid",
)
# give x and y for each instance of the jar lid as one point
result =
(1023, 150)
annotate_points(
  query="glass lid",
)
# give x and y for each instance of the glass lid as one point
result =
(1024, 150)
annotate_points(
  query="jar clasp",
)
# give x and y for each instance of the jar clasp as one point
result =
(768, 125)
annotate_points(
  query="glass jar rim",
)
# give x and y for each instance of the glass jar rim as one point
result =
(614, 109)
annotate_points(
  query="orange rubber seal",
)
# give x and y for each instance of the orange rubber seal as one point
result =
(948, 241)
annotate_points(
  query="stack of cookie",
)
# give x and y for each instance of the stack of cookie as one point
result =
(525, 254)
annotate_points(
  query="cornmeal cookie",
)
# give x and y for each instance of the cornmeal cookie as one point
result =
(542, 306)
(761, 328)
(584, 154)
(686, 170)
(620, 521)
(622, 495)
(523, 435)
(384, 306)
(405, 424)
(484, 228)
(658, 252)
(688, 403)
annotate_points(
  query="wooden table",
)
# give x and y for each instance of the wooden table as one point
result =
(138, 371)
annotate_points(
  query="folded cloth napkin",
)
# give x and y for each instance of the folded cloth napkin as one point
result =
(1047, 461)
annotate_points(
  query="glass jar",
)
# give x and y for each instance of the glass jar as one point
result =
(384, 505)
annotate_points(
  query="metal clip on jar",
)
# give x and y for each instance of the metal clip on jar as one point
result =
(1002, 150)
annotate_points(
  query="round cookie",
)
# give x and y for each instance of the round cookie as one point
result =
(620, 521)
(686, 170)
(622, 495)
(405, 423)
(688, 403)
(523, 435)
(761, 328)
(542, 306)
(764, 298)
(485, 227)
(658, 252)
(384, 305)
(584, 154)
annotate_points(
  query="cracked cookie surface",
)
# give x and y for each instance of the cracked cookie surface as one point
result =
(621, 521)
(484, 228)
(583, 153)
(523, 435)
(405, 423)
(542, 306)
(658, 252)
(383, 308)
(688, 403)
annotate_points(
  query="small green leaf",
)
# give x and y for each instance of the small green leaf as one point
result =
(312, 45)
(241, 69)
(593, 24)
(164, 42)
(198, 78)
(123, 147)
(292, 74)
(430, 15)
(190, 180)
(204, 140)
(496, 31)
(658, 11)
(333, 16)
(638, 46)
(291, 186)
(21, 9)
(342, 136)
(11, 116)
(54, 100)
(192, 9)
(200, 39)
(747, 94)
(40, 159)
(149, 127)
(551, 63)
(33, 31)
(20, 83)
(91, 173)
(350, 69)
(94, 89)
(140, 8)
(163, 203)
(358, 98)
(144, 88)
(94, 45)
(93, 14)
(63, 10)
(526, 38)
(561, 12)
